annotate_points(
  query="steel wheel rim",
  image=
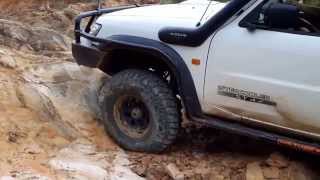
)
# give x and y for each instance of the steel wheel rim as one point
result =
(132, 116)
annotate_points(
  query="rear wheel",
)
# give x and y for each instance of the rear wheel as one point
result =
(140, 111)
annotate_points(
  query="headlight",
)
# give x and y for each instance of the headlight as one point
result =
(95, 29)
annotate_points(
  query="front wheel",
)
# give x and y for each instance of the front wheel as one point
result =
(140, 111)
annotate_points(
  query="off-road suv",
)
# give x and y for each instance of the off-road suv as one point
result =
(250, 67)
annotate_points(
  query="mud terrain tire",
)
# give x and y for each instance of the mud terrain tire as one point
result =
(158, 107)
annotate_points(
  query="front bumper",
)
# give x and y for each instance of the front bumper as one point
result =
(87, 55)
(83, 49)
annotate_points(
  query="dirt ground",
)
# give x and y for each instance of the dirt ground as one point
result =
(49, 127)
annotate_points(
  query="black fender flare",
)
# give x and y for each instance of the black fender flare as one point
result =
(178, 67)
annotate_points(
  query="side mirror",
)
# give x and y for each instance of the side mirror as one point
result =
(279, 15)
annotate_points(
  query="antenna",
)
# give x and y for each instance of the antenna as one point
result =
(205, 12)
(99, 5)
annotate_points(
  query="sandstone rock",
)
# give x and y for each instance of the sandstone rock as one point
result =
(7, 178)
(174, 172)
(81, 159)
(240, 176)
(271, 172)
(298, 171)
(7, 60)
(28, 175)
(254, 172)
(63, 93)
(213, 176)
(156, 174)
(277, 160)
(8, 96)
(76, 158)
(21, 36)
(141, 170)
(34, 99)
(62, 18)
(70, 13)
(33, 149)
(121, 170)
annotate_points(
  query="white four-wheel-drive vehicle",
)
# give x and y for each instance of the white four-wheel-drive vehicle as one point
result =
(249, 67)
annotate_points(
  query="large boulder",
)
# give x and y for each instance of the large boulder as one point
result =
(24, 37)
(63, 93)
(81, 160)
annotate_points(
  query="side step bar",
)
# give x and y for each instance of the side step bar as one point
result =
(236, 128)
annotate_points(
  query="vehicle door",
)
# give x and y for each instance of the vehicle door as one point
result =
(267, 72)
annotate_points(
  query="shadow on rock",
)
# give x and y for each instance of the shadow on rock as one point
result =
(204, 153)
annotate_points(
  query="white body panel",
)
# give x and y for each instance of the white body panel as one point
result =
(283, 66)
(147, 21)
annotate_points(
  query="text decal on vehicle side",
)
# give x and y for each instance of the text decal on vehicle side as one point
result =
(245, 95)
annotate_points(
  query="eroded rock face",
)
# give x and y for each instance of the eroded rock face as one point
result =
(7, 60)
(64, 93)
(44, 107)
(81, 160)
(24, 37)
(25, 144)
(8, 87)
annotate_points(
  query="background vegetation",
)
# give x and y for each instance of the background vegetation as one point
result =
(308, 2)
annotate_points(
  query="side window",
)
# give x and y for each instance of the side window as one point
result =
(292, 16)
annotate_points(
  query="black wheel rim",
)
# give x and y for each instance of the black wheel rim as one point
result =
(132, 116)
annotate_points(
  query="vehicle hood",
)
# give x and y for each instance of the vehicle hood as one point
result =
(144, 21)
(192, 10)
